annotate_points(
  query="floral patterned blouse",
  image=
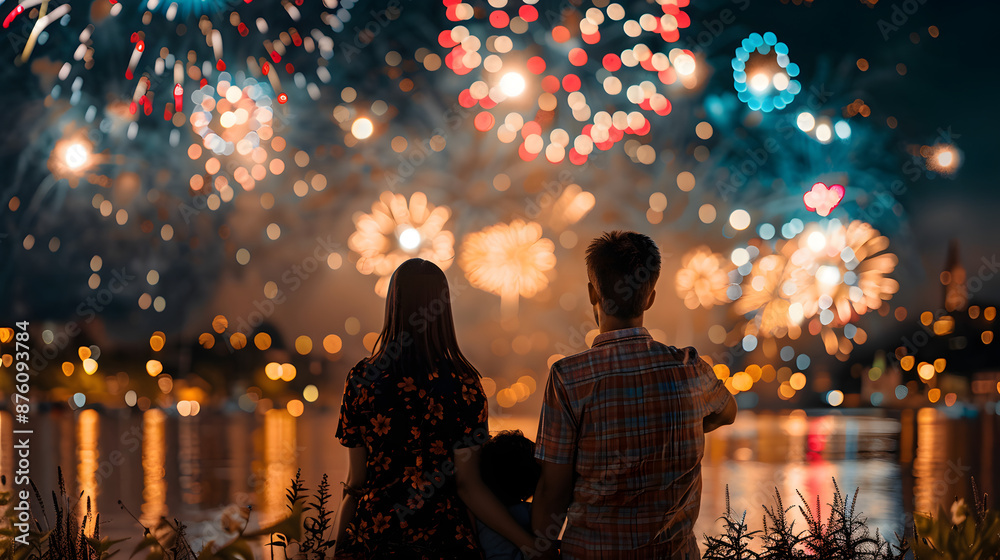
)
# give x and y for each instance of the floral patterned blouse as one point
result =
(411, 423)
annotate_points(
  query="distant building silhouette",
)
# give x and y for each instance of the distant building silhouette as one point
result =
(937, 355)
(956, 293)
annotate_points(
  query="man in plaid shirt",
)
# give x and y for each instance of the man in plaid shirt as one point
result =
(622, 429)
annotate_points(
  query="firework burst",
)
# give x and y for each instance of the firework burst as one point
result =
(703, 279)
(764, 296)
(396, 231)
(510, 260)
(841, 271)
(167, 61)
(521, 87)
(829, 273)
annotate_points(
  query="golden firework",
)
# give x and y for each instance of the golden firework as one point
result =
(766, 294)
(703, 279)
(843, 270)
(395, 231)
(509, 260)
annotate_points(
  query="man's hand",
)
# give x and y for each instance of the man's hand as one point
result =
(551, 551)
(548, 508)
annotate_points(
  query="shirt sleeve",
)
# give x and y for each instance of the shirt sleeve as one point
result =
(557, 427)
(473, 419)
(714, 392)
(351, 428)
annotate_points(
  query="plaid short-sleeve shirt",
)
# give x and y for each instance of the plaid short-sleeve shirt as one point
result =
(628, 414)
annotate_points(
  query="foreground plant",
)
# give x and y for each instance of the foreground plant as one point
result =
(303, 534)
(960, 535)
(60, 537)
(842, 535)
(735, 543)
(284, 538)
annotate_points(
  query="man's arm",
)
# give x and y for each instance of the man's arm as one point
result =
(552, 498)
(555, 450)
(719, 402)
(725, 417)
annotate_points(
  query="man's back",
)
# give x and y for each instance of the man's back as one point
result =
(628, 414)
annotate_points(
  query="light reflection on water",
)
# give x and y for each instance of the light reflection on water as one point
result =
(280, 460)
(188, 460)
(87, 455)
(192, 468)
(154, 489)
(765, 454)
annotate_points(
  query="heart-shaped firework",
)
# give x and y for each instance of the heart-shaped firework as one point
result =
(822, 199)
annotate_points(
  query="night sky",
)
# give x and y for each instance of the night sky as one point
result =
(946, 95)
(947, 86)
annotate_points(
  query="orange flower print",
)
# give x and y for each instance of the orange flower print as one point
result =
(415, 503)
(415, 471)
(381, 425)
(411, 473)
(415, 432)
(407, 384)
(434, 409)
(381, 523)
(438, 448)
(420, 482)
(381, 462)
(469, 394)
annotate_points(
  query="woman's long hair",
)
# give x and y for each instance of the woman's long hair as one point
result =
(419, 329)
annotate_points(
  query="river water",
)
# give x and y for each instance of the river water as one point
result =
(196, 468)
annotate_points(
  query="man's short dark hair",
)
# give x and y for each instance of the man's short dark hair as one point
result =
(623, 266)
(508, 466)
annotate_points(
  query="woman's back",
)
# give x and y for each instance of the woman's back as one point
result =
(410, 420)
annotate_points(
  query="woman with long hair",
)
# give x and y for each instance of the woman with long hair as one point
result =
(413, 418)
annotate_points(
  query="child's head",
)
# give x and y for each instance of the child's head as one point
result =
(508, 466)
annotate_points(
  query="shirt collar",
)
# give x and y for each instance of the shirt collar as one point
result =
(620, 334)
